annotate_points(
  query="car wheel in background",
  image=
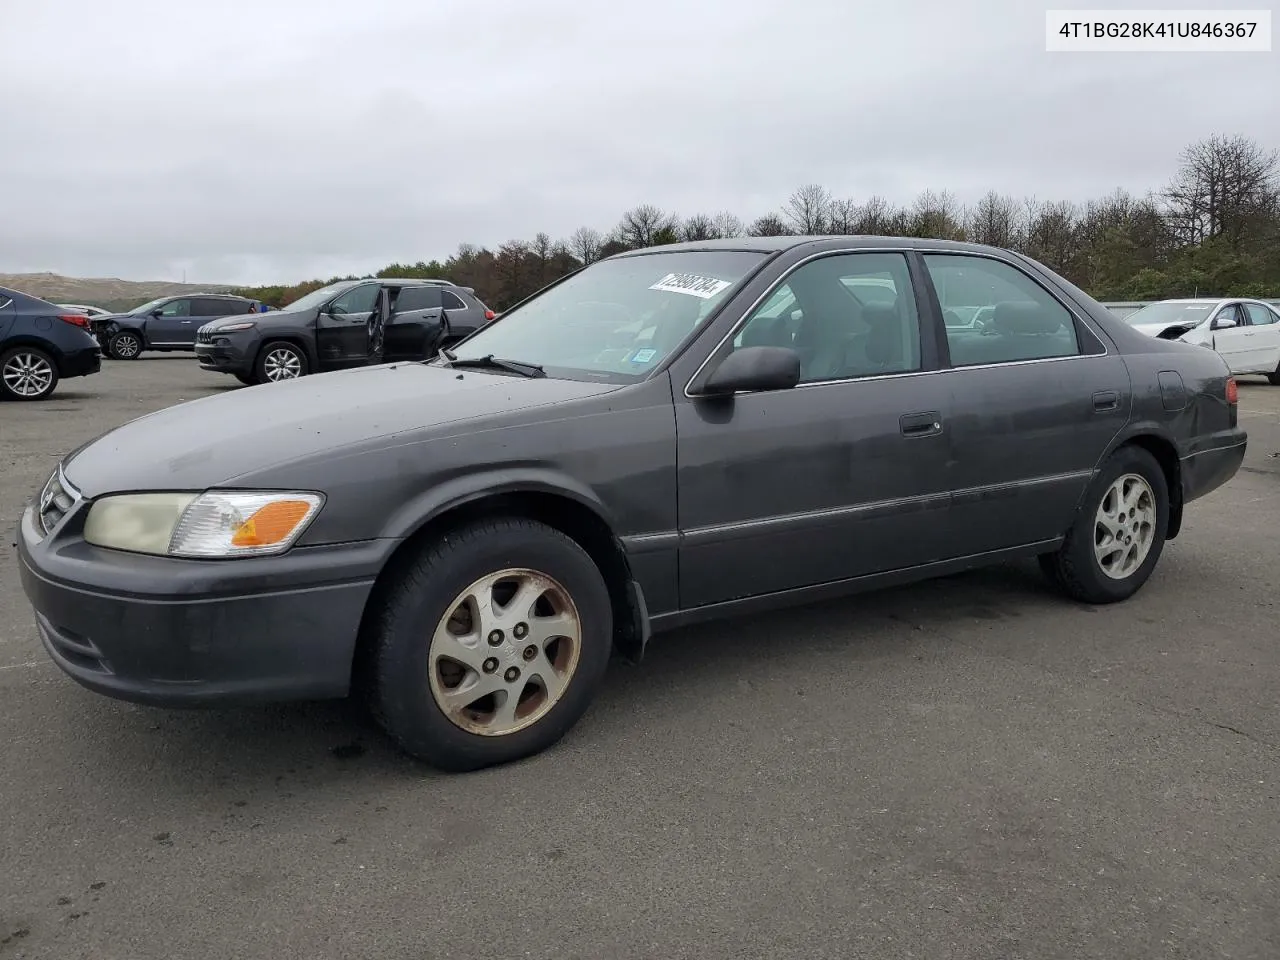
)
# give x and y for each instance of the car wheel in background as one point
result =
(488, 645)
(124, 345)
(280, 361)
(27, 373)
(1119, 534)
(1274, 377)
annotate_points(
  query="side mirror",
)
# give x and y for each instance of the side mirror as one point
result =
(751, 369)
(1222, 323)
(157, 311)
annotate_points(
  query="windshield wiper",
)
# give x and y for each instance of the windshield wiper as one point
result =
(496, 363)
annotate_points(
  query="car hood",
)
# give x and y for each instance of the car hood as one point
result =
(271, 316)
(211, 441)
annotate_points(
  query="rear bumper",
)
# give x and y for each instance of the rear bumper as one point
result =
(80, 363)
(166, 632)
(1210, 467)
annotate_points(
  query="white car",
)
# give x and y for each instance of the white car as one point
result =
(1246, 333)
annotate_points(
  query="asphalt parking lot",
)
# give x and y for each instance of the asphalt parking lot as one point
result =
(971, 768)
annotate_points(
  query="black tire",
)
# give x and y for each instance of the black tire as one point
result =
(18, 365)
(268, 355)
(124, 345)
(1274, 378)
(247, 379)
(399, 639)
(1075, 567)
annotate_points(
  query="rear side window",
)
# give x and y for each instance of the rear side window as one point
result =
(452, 301)
(995, 313)
(212, 307)
(1259, 315)
(417, 298)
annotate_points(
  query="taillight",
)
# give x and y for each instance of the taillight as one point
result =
(489, 315)
(75, 319)
(1233, 392)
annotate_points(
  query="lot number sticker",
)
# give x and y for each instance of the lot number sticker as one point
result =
(702, 287)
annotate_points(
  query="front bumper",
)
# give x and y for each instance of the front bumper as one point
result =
(1215, 462)
(80, 363)
(228, 355)
(174, 632)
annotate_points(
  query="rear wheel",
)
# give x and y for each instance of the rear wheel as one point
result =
(124, 345)
(280, 360)
(27, 373)
(1119, 534)
(1274, 377)
(489, 645)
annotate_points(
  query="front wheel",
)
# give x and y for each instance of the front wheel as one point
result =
(1119, 534)
(280, 361)
(490, 645)
(27, 374)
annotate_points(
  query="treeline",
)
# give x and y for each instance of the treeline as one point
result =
(1213, 230)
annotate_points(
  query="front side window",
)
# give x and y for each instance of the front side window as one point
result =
(618, 319)
(849, 315)
(358, 300)
(176, 308)
(1015, 319)
(1228, 316)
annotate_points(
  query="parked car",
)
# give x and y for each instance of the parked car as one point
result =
(166, 324)
(638, 447)
(85, 309)
(1245, 332)
(41, 343)
(339, 325)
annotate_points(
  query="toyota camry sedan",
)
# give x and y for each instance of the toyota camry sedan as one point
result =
(667, 436)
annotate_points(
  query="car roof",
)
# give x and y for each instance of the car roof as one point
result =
(780, 244)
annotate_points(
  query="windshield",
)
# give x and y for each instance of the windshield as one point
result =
(617, 319)
(150, 305)
(1170, 313)
(317, 297)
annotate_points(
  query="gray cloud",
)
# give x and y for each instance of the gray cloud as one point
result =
(280, 139)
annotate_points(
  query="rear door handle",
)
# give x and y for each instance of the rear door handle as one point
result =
(927, 424)
(1105, 400)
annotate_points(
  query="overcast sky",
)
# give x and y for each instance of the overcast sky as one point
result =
(252, 141)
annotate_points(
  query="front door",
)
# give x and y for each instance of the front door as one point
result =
(172, 325)
(342, 328)
(842, 476)
(1035, 401)
(1230, 332)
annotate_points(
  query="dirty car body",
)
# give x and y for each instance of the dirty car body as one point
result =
(709, 442)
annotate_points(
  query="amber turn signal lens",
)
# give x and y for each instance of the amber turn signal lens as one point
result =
(1233, 392)
(271, 524)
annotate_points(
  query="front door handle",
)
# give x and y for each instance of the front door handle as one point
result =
(1105, 400)
(927, 424)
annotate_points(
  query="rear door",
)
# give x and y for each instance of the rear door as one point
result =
(1264, 325)
(6, 314)
(204, 309)
(414, 330)
(1230, 331)
(171, 325)
(1036, 398)
(342, 328)
(464, 318)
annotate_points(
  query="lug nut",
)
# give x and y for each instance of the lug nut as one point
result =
(530, 652)
(490, 665)
(495, 638)
(512, 675)
(520, 630)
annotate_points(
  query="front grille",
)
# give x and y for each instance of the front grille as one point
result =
(204, 336)
(56, 500)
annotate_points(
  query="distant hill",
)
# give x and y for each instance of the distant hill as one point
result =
(106, 292)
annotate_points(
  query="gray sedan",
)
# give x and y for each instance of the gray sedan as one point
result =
(667, 436)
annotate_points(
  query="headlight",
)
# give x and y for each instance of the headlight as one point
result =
(233, 327)
(213, 525)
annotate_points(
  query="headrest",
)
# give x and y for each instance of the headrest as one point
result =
(1025, 316)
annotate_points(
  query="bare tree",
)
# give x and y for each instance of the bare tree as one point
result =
(936, 215)
(769, 225)
(843, 217)
(1052, 234)
(1225, 186)
(995, 221)
(585, 244)
(640, 226)
(728, 225)
(698, 227)
(809, 209)
(874, 218)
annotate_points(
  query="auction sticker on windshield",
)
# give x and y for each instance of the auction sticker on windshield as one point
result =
(702, 287)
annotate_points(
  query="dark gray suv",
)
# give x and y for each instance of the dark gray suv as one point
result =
(347, 324)
(166, 324)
